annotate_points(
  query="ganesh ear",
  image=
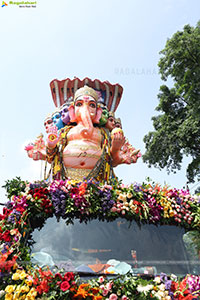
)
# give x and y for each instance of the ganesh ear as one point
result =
(98, 115)
(72, 113)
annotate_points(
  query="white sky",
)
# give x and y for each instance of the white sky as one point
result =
(112, 40)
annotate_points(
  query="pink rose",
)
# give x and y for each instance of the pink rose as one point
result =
(65, 286)
(113, 297)
(124, 297)
(114, 209)
(105, 292)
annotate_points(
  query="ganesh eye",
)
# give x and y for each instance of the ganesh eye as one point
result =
(93, 105)
(78, 104)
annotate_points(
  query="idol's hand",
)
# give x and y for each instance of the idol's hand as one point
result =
(52, 138)
(118, 140)
(39, 155)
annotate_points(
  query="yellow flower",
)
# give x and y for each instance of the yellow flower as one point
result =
(28, 297)
(23, 275)
(122, 197)
(10, 289)
(16, 295)
(9, 297)
(129, 195)
(29, 282)
(32, 292)
(25, 289)
(15, 276)
(117, 192)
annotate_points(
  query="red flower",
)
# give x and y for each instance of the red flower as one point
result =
(6, 236)
(65, 286)
(69, 276)
(20, 209)
(82, 188)
(59, 276)
(43, 287)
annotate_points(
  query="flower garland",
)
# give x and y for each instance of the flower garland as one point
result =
(31, 204)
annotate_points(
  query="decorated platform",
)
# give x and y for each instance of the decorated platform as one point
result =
(81, 233)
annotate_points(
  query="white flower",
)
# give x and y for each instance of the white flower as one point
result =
(144, 289)
(2, 293)
(27, 189)
(162, 287)
(157, 280)
(173, 277)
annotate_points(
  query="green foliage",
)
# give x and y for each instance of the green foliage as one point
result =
(14, 187)
(177, 127)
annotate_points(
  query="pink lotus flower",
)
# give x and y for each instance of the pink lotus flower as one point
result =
(29, 147)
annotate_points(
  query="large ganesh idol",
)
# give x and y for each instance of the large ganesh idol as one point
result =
(86, 146)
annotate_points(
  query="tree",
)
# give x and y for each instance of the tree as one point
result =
(177, 127)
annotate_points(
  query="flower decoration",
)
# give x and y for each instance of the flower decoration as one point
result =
(31, 204)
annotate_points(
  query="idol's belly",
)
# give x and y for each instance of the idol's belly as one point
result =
(82, 155)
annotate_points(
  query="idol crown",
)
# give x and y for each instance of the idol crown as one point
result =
(86, 90)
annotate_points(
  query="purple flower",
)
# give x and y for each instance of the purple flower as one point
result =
(168, 284)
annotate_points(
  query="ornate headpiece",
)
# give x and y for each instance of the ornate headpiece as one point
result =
(62, 90)
(118, 123)
(111, 114)
(86, 91)
(118, 120)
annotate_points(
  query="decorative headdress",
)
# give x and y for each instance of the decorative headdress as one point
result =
(111, 114)
(118, 120)
(86, 91)
(62, 90)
